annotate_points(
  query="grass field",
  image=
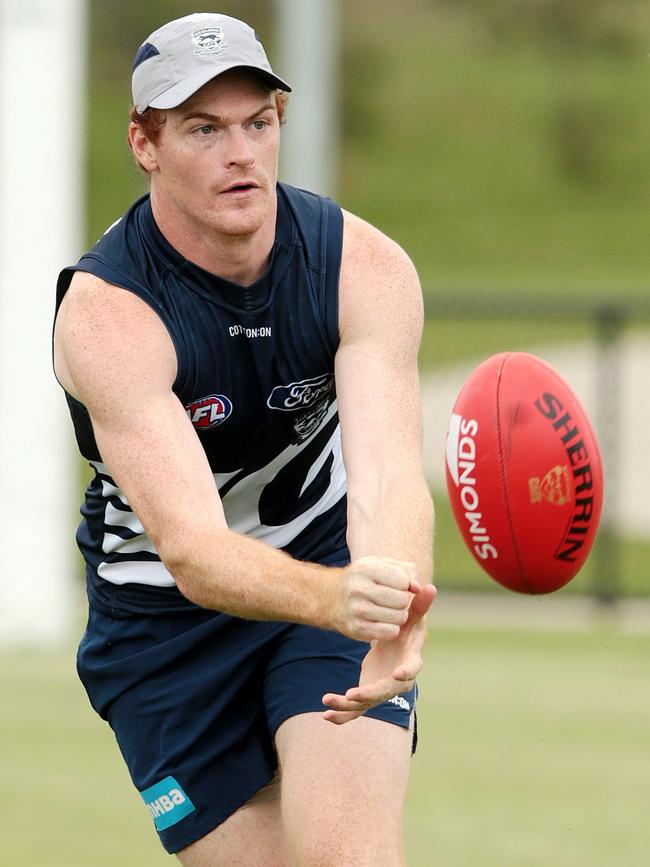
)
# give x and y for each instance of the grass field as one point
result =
(533, 752)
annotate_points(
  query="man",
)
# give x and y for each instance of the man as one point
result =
(250, 405)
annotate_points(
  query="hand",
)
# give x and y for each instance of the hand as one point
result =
(372, 598)
(389, 668)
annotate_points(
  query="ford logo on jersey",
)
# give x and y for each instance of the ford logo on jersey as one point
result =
(209, 411)
(298, 395)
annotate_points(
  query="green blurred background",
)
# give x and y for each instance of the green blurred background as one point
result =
(505, 145)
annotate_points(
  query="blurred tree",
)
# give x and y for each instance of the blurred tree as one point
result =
(567, 26)
(457, 115)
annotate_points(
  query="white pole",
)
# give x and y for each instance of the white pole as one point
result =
(42, 59)
(308, 57)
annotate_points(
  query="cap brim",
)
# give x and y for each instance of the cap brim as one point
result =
(178, 93)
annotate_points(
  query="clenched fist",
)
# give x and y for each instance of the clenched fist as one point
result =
(371, 598)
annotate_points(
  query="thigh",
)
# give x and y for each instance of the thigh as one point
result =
(251, 837)
(183, 695)
(343, 790)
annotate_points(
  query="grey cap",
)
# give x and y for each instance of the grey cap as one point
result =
(183, 55)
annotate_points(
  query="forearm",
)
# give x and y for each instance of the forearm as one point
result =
(393, 519)
(238, 575)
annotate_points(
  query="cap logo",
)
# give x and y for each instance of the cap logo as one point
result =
(209, 41)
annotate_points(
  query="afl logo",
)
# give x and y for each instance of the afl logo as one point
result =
(209, 411)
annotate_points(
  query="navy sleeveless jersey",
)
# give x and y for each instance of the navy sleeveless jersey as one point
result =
(256, 378)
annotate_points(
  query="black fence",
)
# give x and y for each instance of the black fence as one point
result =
(602, 347)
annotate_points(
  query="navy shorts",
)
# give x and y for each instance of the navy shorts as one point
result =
(195, 697)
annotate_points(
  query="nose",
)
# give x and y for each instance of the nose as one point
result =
(238, 149)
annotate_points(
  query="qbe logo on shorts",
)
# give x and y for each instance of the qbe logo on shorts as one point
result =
(167, 803)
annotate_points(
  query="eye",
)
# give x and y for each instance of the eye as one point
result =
(203, 130)
(260, 124)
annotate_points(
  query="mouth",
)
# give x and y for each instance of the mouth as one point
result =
(240, 188)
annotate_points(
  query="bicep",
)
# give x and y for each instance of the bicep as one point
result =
(376, 364)
(153, 452)
(379, 407)
(118, 359)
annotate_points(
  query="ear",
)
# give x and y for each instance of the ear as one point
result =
(144, 150)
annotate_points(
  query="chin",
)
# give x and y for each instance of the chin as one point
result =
(243, 223)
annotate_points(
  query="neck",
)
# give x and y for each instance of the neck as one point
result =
(239, 258)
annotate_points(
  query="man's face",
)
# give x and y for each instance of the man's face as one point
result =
(217, 157)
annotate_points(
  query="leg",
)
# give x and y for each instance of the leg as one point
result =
(251, 837)
(183, 694)
(343, 790)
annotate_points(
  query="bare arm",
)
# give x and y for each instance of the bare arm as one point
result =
(114, 355)
(390, 511)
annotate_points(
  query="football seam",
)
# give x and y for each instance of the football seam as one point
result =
(502, 466)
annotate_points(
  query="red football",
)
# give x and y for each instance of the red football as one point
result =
(524, 473)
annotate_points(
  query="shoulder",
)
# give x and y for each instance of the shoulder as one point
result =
(106, 331)
(378, 278)
(103, 304)
(366, 246)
